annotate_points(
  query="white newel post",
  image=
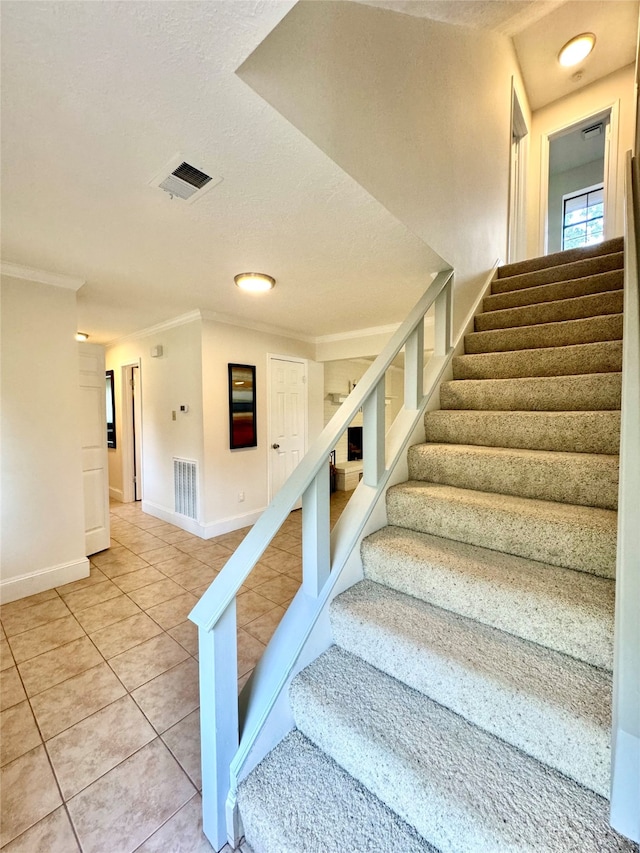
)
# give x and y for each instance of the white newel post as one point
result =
(316, 533)
(218, 654)
(442, 323)
(373, 446)
(414, 368)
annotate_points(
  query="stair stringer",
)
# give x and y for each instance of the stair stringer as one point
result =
(304, 632)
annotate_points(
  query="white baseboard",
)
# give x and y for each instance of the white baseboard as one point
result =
(11, 589)
(116, 494)
(204, 531)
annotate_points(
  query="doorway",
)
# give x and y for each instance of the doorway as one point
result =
(517, 180)
(578, 186)
(131, 433)
(287, 432)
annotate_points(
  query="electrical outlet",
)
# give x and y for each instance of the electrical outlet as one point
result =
(240, 497)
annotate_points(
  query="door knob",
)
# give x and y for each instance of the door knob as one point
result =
(275, 446)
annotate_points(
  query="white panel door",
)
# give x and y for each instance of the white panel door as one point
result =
(93, 431)
(288, 422)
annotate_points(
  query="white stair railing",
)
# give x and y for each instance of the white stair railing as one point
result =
(625, 767)
(215, 613)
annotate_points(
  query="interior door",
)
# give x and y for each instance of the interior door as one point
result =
(93, 431)
(288, 422)
(136, 426)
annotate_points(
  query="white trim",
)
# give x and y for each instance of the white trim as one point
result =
(197, 528)
(266, 328)
(41, 276)
(11, 589)
(610, 176)
(271, 357)
(372, 331)
(576, 194)
(116, 494)
(126, 431)
(181, 320)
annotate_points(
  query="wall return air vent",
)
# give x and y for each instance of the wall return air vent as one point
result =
(183, 180)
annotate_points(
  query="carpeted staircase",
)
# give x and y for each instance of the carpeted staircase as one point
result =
(465, 705)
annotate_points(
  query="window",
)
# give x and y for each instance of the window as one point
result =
(583, 218)
(111, 410)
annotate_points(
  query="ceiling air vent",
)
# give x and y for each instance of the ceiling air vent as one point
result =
(184, 180)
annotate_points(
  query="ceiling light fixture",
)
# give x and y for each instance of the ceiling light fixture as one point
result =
(254, 282)
(82, 336)
(577, 49)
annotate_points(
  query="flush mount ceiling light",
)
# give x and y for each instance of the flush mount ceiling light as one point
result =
(577, 49)
(82, 336)
(254, 282)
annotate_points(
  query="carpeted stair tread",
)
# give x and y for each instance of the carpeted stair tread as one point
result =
(599, 357)
(607, 327)
(558, 258)
(569, 612)
(575, 537)
(575, 432)
(584, 392)
(461, 788)
(298, 800)
(574, 308)
(585, 479)
(551, 706)
(561, 272)
(605, 281)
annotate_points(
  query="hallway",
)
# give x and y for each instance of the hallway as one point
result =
(99, 688)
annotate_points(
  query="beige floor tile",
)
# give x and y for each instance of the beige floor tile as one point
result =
(191, 546)
(123, 566)
(156, 593)
(182, 834)
(295, 573)
(260, 574)
(178, 564)
(171, 696)
(263, 627)
(29, 793)
(24, 619)
(249, 652)
(11, 689)
(52, 667)
(67, 703)
(211, 560)
(243, 679)
(250, 605)
(183, 740)
(39, 640)
(110, 555)
(108, 613)
(152, 524)
(286, 541)
(123, 808)
(27, 602)
(161, 553)
(213, 549)
(295, 550)
(19, 732)
(115, 639)
(186, 633)
(279, 590)
(174, 537)
(95, 576)
(281, 562)
(143, 662)
(6, 658)
(173, 612)
(83, 598)
(91, 748)
(138, 579)
(143, 542)
(196, 577)
(52, 834)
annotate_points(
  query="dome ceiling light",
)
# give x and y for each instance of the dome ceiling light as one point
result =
(577, 49)
(254, 282)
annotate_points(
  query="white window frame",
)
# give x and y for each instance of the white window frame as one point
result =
(574, 194)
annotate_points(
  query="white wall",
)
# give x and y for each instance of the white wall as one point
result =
(229, 472)
(417, 111)
(562, 183)
(42, 499)
(166, 382)
(593, 99)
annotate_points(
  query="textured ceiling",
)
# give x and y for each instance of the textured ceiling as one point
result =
(97, 97)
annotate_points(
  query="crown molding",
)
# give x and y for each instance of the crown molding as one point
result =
(266, 328)
(41, 276)
(181, 320)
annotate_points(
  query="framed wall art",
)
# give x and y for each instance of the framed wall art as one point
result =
(242, 406)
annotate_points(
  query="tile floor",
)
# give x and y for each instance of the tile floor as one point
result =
(99, 689)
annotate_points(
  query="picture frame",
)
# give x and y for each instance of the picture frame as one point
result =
(111, 409)
(243, 431)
